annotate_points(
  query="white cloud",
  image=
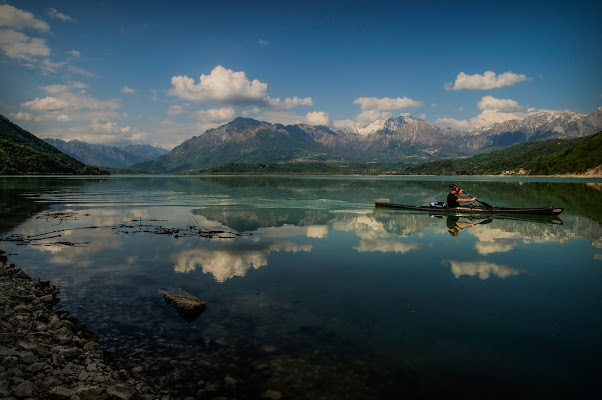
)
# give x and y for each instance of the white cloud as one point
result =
(263, 42)
(19, 19)
(24, 116)
(452, 123)
(108, 131)
(53, 13)
(489, 80)
(69, 101)
(222, 86)
(55, 89)
(290, 102)
(216, 114)
(19, 46)
(492, 111)
(317, 118)
(128, 90)
(74, 53)
(386, 103)
(63, 118)
(501, 105)
(46, 104)
(342, 123)
(369, 116)
(489, 117)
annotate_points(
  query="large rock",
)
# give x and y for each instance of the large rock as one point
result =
(186, 305)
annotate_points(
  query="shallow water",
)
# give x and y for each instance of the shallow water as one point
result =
(312, 292)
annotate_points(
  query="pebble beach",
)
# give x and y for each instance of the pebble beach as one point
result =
(47, 354)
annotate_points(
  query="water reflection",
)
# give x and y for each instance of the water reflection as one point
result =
(226, 263)
(482, 269)
(308, 269)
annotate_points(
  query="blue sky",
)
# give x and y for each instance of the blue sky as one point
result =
(161, 72)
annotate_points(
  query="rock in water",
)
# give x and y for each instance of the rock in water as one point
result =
(186, 305)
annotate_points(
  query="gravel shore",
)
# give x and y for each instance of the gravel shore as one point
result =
(47, 354)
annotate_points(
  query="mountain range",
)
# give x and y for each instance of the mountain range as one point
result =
(402, 139)
(107, 156)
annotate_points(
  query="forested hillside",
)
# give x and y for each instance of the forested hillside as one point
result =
(24, 153)
(548, 157)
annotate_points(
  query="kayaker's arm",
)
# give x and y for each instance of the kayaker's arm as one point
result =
(464, 200)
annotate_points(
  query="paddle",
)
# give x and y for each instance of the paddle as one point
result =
(489, 206)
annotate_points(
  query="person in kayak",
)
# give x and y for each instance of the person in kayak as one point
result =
(452, 198)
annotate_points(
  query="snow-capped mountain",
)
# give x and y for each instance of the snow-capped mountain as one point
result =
(404, 139)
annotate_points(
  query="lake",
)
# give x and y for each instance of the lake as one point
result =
(314, 293)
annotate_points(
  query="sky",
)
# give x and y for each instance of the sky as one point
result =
(161, 72)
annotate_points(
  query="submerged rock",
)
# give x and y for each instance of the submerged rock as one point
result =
(186, 305)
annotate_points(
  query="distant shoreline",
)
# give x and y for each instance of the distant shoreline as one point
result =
(146, 175)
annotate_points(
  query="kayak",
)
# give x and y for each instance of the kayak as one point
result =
(473, 209)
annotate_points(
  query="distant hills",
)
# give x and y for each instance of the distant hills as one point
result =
(548, 157)
(23, 153)
(107, 156)
(404, 139)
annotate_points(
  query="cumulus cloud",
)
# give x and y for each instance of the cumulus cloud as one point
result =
(108, 131)
(127, 89)
(493, 111)
(290, 102)
(46, 104)
(222, 85)
(263, 42)
(53, 13)
(19, 46)
(386, 103)
(501, 105)
(216, 114)
(14, 18)
(489, 80)
(24, 116)
(74, 53)
(317, 118)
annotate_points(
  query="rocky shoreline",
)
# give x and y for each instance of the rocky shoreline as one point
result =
(47, 354)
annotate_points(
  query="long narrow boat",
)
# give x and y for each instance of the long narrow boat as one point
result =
(474, 209)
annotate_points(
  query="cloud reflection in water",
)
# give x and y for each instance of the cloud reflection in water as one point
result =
(482, 269)
(226, 263)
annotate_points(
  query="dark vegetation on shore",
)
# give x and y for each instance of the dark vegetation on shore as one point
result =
(309, 168)
(22, 153)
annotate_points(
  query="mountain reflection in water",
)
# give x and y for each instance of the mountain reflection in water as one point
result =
(312, 292)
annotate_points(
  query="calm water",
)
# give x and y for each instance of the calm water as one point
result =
(312, 292)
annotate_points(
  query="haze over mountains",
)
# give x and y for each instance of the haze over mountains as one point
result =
(404, 138)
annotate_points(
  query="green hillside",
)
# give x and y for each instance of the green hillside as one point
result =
(548, 157)
(22, 153)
